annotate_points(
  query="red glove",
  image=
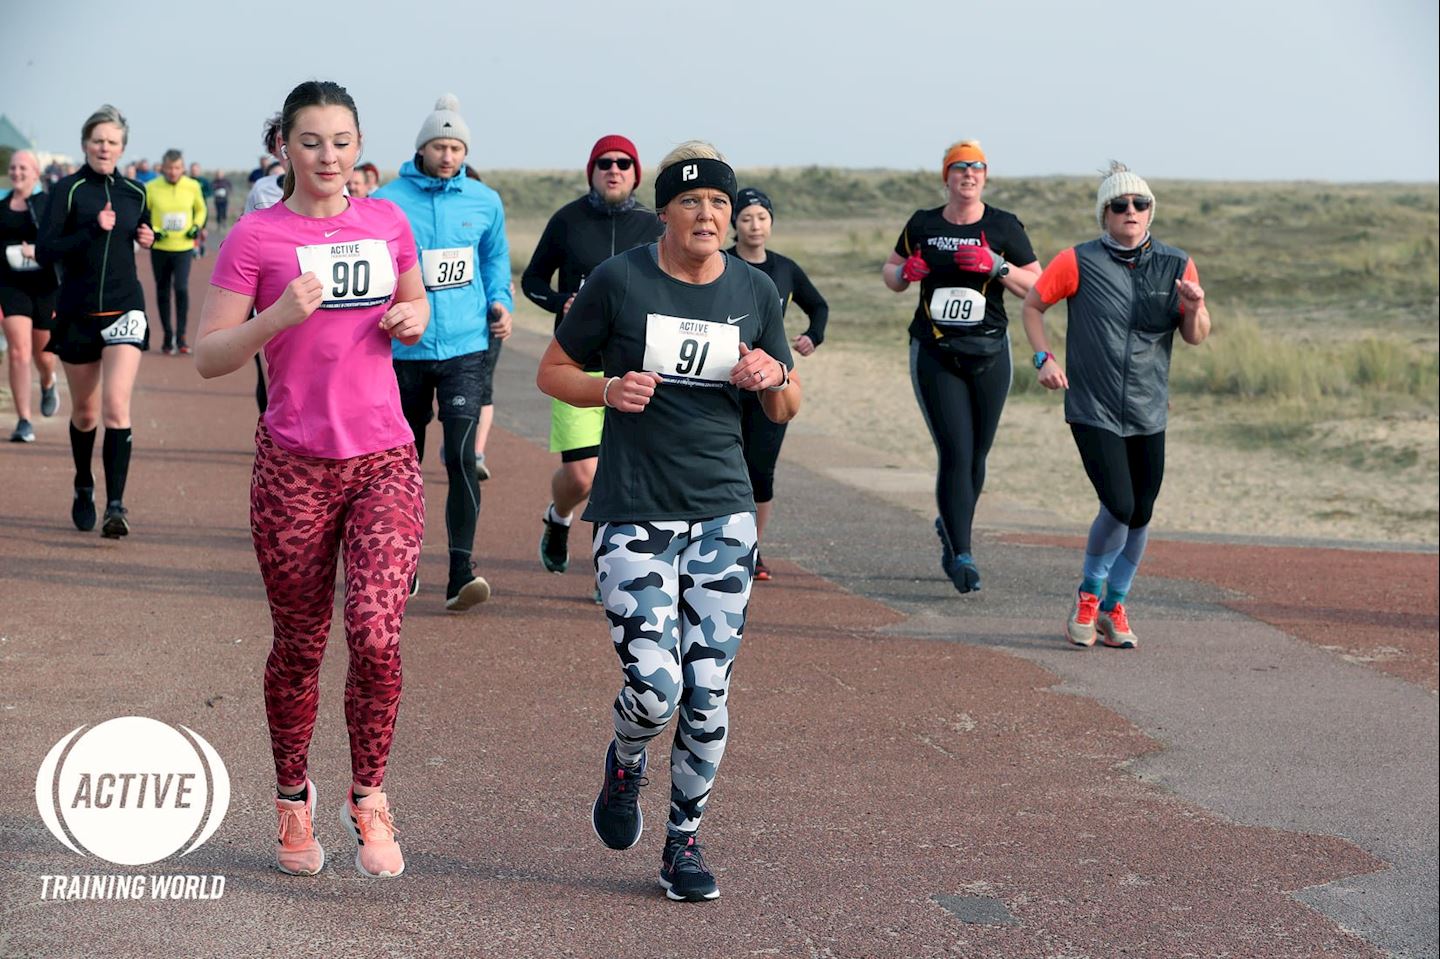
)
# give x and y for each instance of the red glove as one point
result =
(914, 267)
(979, 259)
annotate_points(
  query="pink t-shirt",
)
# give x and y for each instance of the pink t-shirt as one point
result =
(332, 384)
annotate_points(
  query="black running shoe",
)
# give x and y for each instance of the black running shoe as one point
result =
(964, 574)
(616, 814)
(82, 510)
(414, 584)
(554, 544)
(947, 555)
(465, 588)
(762, 572)
(116, 525)
(683, 872)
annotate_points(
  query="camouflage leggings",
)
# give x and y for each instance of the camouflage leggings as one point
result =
(676, 593)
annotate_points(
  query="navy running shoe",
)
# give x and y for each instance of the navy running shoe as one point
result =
(964, 574)
(116, 524)
(683, 872)
(616, 814)
(82, 510)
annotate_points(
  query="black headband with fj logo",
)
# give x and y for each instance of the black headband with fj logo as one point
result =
(694, 175)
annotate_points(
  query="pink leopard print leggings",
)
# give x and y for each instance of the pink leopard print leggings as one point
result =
(302, 509)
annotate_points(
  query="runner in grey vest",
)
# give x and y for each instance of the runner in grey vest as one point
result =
(1128, 294)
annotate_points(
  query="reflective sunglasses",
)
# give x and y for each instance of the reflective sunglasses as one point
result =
(1121, 204)
(622, 163)
(968, 164)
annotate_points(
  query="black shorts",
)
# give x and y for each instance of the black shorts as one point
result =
(492, 356)
(81, 338)
(456, 386)
(40, 307)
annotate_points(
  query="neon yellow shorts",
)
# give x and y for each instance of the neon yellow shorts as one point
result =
(574, 427)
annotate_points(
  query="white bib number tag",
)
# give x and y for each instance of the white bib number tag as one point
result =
(174, 222)
(953, 306)
(128, 329)
(18, 261)
(446, 269)
(678, 348)
(355, 274)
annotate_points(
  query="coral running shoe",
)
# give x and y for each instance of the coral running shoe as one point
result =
(1114, 628)
(369, 821)
(762, 572)
(1080, 630)
(299, 853)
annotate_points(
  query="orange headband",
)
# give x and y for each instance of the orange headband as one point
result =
(960, 152)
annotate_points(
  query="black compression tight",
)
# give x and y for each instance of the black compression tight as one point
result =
(762, 438)
(961, 398)
(462, 502)
(1126, 471)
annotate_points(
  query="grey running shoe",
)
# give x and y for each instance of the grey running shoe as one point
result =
(49, 399)
(116, 525)
(24, 433)
(482, 472)
(1080, 628)
(616, 814)
(683, 872)
(1114, 628)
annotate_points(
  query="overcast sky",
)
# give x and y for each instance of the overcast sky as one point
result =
(1228, 89)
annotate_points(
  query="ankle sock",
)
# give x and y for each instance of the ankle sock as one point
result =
(301, 796)
(555, 517)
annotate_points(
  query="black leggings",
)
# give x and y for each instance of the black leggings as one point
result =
(1126, 471)
(176, 267)
(762, 438)
(961, 398)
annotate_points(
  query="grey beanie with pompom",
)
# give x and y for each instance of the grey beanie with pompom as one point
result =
(444, 122)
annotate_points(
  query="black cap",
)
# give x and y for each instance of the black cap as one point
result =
(748, 197)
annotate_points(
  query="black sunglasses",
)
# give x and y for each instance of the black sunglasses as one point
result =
(621, 163)
(1121, 204)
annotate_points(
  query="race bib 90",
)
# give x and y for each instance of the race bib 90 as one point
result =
(681, 349)
(355, 274)
(954, 306)
(447, 269)
(128, 329)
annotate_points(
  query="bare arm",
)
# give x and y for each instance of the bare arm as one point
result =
(1032, 314)
(891, 273)
(227, 342)
(1195, 325)
(1020, 279)
(566, 380)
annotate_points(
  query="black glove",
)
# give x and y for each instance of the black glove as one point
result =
(192, 233)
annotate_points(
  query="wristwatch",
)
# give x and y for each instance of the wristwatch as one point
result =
(784, 380)
(1039, 358)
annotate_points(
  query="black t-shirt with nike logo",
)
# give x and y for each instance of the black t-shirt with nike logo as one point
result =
(681, 458)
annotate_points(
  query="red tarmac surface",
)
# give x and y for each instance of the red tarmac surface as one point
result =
(869, 776)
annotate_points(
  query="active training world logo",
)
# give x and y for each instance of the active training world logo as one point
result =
(132, 791)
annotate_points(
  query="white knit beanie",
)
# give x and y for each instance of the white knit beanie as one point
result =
(1119, 181)
(444, 122)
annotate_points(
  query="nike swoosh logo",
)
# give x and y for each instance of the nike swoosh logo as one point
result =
(331, 233)
(729, 319)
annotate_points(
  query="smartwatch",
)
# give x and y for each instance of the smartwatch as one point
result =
(1039, 358)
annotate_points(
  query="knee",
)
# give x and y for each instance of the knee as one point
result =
(1140, 516)
(651, 698)
(1121, 508)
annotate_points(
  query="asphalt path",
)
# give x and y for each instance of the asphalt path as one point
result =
(912, 772)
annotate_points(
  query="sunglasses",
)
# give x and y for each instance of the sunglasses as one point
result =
(1121, 204)
(968, 164)
(622, 163)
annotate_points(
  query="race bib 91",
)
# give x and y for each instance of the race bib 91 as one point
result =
(355, 274)
(952, 306)
(18, 261)
(681, 349)
(127, 329)
(174, 222)
(447, 269)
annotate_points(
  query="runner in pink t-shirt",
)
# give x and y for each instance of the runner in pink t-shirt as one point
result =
(334, 279)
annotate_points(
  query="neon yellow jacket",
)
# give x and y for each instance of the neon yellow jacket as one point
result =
(175, 209)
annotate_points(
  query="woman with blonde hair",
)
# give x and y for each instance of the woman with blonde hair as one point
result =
(681, 330)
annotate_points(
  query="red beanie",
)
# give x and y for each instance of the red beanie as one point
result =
(605, 145)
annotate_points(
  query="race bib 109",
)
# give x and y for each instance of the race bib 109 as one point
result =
(681, 349)
(952, 306)
(128, 329)
(355, 274)
(447, 269)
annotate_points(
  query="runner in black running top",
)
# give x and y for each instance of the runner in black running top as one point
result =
(27, 294)
(579, 237)
(964, 255)
(1128, 293)
(680, 329)
(752, 218)
(90, 226)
